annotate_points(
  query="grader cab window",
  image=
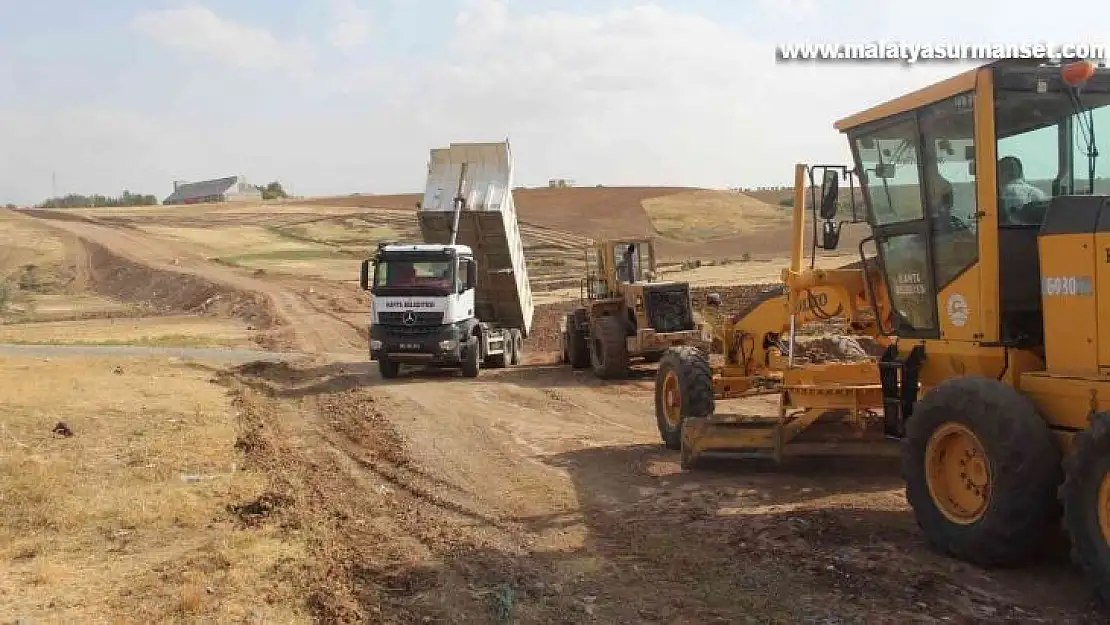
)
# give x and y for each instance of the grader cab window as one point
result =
(948, 128)
(889, 161)
(890, 158)
(1045, 145)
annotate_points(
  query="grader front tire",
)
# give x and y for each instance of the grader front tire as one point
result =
(1086, 496)
(683, 388)
(981, 471)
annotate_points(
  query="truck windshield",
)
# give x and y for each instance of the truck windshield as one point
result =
(406, 275)
(1046, 142)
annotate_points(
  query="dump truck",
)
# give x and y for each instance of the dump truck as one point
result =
(989, 212)
(461, 298)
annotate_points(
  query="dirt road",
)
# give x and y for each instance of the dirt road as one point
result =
(538, 495)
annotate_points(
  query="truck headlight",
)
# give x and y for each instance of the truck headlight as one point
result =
(448, 344)
(375, 344)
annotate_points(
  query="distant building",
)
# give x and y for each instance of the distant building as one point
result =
(560, 183)
(230, 189)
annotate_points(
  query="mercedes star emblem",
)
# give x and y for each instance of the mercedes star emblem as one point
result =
(409, 318)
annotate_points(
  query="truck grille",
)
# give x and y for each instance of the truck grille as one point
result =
(668, 308)
(419, 319)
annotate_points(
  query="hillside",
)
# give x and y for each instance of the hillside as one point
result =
(686, 222)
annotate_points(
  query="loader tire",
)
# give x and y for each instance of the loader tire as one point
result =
(981, 471)
(683, 388)
(1086, 497)
(578, 352)
(608, 350)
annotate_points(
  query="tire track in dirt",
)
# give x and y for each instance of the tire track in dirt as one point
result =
(313, 331)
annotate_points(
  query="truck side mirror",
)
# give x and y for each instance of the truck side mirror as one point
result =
(364, 276)
(830, 192)
(471, 274)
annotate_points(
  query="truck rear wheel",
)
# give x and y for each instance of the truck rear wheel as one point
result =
(683, 388)
(981, 471)
(388, 369)
(517, 340)
(1086, 495)
(472, 358)
(608, 350)
(578, 353)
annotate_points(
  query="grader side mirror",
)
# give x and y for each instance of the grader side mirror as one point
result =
(830, 235)
(830, 191)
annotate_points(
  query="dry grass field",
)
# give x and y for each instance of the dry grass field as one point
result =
(141, 513)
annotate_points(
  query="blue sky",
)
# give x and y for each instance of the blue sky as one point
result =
(341, 96)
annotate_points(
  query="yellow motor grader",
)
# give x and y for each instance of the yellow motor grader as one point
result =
(989, 211)
(835, 402)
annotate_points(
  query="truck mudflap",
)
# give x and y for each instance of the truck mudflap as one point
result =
(431, 346)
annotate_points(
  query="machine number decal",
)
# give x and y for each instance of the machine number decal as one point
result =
(1066, 286)
(957, 310)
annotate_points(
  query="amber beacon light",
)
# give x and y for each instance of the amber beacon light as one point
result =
(1077, 73)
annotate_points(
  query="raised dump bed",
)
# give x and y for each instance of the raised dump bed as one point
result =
(480, 175)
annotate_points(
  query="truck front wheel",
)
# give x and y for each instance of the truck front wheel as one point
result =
(388, 369)
(472, 358)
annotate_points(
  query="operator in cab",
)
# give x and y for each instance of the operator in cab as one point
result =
(1014, 192)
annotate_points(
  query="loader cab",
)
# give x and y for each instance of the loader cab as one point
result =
(957, 179)
(613, 263)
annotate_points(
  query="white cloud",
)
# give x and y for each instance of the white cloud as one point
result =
(352, 25)
(643, 95)
(195, 29)
(795, 9)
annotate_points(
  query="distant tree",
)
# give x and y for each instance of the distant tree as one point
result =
(273, 191)
(75, 200)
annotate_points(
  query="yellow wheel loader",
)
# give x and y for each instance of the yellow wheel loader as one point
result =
(989, 210)
(625, 314)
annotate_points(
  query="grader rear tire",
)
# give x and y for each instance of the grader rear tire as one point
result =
(1086, 496)
(608, 350)
(683, 388)
(981, 471)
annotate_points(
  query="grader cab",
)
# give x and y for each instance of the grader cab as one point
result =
(989, 211)
(625, 314)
